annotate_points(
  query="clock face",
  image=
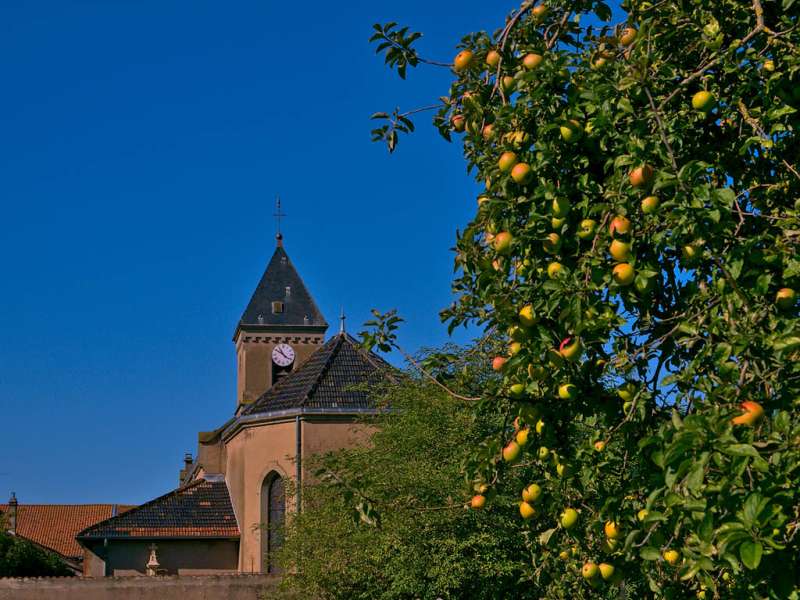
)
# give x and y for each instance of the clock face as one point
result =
(283, 355)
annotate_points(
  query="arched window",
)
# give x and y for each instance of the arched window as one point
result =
(273, 510)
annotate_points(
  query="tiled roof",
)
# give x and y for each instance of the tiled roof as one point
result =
(299, 308)
(201, 509)
(54, 526)
(334, 377)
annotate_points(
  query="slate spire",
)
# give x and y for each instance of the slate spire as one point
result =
(281, 298)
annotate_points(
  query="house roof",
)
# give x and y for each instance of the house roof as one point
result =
(201, 509)
(54, 526)
(333, 377)
(281, 282)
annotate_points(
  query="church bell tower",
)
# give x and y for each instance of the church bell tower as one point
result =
(279, 329)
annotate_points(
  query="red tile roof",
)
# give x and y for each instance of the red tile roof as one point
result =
(54, 526)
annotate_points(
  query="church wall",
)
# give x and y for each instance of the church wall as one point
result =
(252, 454)
(320, 436)
(176, 557)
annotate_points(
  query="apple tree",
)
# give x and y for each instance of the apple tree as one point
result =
(634, 251)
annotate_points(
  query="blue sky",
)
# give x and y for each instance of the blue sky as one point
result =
(142, 147)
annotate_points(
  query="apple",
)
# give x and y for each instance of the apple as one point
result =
(642, 514)
(522, 436)
(554, 270)
(539, 12)
(641, 176)
(671, 556)
(606, 571)
(502, 242)
(493, 58)
(507, 161)
(514, 348)
(599, 62)
(626, 391)
(488, 132)
(769, 65)
(620, 251)
(536, 372)
(564, 555)
(650, 205)
(786, 298)
(544, 452)
(587, 229)
(753, 412)
(571, 131)
(569, 518)
(508, 83)
(571, 349)
(458, 122)
(526, 510)
(552, 243)
(619, 226)
(561, 469)
(462, 61)
(517, 390)
(609, 545)
(567, 391)
(521, 173)
(527, 317)
(612, 530)
(590, 570)
(703, 101)
(478, 501)
(532, 61)
(623, 274)
(532, 493)
(498, 362)
(511, 451)
(690, 252)
(599, 445)
(628, 36)
(557, 223)
(560, 207)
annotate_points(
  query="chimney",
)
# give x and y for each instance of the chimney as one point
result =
(187, 460)
(12, 513)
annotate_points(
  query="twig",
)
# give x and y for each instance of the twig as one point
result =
(431, 377)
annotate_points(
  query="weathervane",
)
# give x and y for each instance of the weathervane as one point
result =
(278, 214)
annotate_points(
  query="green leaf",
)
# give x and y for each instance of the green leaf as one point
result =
(740, 450)
(750, 553)
(649, 553)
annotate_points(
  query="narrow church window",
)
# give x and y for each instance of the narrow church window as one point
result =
(273, 511)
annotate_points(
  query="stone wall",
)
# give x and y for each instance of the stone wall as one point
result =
(212, 587)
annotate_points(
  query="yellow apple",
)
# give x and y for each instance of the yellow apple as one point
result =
(493, 58)
(569, 518)
(560, 207)
(620, 251)
(554, 269)
(462, 61)
(703, 101)
(532, 61)
(507, 161)
(532, 493)
(478, 501)
(612, 530)
(526, 510)
(527, 317)
(587, 229)
(521, 173)
(624, 274)
(567, 391)
(502, 242)
(511, 451)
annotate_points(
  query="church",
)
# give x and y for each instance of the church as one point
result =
(297, 395)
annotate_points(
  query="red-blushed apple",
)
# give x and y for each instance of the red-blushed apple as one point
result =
(539, 12)
(620, 251)
(786, 298)
(511, 451)
(521, 173)
(462, 61)
(532, 493)
(641, 176)
(552, 243)
(619, 226)
(478, 501)
(599, 445)
(532, 61)
(488, 132)
(628, 36)
(650, 205)
(498, 362)
(502, 243)
(589, 570)
(458, 122)
(526, 511)
(507, 161)
(624, 274)
(571, 348)
(612, 530)
(753, 412)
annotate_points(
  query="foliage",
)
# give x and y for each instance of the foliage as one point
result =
(21, 558)
(636, 248)
(427, 543)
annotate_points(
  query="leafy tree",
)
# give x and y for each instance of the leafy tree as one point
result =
(635, 246)
(21, 558)
(389, 520)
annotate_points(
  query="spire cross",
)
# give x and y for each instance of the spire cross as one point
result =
(342, 318)
(278, 214)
